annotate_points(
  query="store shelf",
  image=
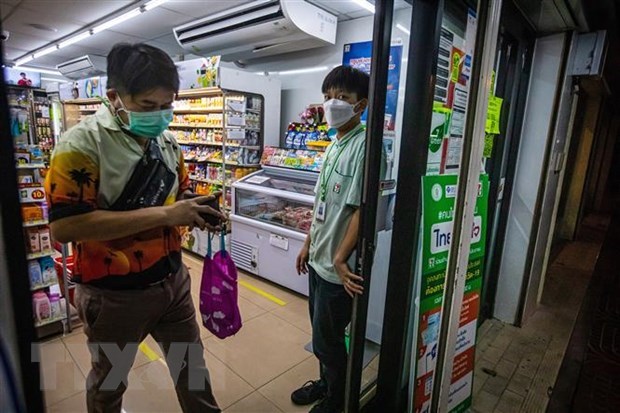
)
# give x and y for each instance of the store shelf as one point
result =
(254, 110)
(197, 143)
(43, 286)
(213, 91)
(50, 321)
(200, 110)
(243, 127)
(252, 148)
(194, 126)
(244, 165)
(208, 181)
(19, 106)
(203, 161)
(36, 223)
(37, 255)
(30, 166)
(88, 110)
(228, 163)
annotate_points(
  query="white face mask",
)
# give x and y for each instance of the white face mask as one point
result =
(338, 112)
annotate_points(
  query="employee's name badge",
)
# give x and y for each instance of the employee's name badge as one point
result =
(337, 187)
(320, 211)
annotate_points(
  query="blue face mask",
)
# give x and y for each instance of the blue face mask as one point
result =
(146, 124)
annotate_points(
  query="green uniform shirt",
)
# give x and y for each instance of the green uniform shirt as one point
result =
(342, 176)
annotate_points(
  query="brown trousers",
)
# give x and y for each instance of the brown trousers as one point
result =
(116, 322)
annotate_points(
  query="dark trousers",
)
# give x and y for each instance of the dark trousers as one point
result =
(123, 319)
(330, 314)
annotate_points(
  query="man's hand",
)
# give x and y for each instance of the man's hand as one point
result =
(352, 283)
(188, 212)
(302, 260)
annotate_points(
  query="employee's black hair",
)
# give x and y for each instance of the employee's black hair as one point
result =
(348, 79)
(138, 68)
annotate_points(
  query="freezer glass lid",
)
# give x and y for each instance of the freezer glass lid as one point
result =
(282, 183)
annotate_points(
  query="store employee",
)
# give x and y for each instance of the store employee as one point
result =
(118, 189)
(328, 253)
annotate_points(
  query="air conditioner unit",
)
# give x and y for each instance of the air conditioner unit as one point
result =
(259, 29)
(83, 67)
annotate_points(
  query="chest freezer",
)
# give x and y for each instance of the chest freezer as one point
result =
(271, 217)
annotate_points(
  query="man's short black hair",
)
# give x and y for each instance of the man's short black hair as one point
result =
(22, 74)
(138, 68)
(348, 79)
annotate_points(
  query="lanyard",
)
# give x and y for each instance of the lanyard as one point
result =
(328, 174)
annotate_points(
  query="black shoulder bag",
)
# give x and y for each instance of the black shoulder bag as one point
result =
(149, 184)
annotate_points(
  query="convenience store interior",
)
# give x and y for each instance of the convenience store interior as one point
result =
(252, 127)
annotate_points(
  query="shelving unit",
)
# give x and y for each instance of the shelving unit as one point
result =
(216, 128)
(206, 138)
(34, 134)
(76, 109)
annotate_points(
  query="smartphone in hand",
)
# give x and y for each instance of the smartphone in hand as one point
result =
(213, 220)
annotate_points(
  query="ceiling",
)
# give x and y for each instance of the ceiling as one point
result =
(60, 18)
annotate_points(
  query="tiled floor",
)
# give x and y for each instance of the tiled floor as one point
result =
(516, 368)
(254, 371)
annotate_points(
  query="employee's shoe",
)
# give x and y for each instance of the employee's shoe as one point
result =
(309, 393)
(327, 405)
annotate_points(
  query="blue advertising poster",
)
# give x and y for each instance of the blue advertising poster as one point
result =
(358, 55)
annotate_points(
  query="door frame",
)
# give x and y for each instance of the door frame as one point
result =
(517, 27)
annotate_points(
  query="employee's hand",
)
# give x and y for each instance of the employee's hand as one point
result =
(351, 282)
(188, 212)
(302, 260)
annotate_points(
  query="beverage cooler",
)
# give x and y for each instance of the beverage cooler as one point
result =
(271, 217)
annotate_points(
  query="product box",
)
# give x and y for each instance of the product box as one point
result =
(31, 193)
(34, 240)
(32, 213)
(45, 239)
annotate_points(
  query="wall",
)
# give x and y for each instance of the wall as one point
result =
(530, 168)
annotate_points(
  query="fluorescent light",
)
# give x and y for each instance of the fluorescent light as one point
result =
(23, 60)
(300, 71)
(43, 52)
(74, 39)
(403, 29)
(36, 69)
(365, 5)
(51, 79)
(153, 3)
(117, 20)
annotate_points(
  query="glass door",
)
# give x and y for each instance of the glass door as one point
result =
(401, 271)
(512, 66)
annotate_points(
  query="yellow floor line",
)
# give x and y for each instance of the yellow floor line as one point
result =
(262, 293)
(148, 351)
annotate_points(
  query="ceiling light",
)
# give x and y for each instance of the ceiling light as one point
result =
(51, 79)
(365, 5)
(153, 3)
(403, 29)
(36, 69)
(43, 52)
(74, 39)
(117, 20)
(23, 60)
(300, 71)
